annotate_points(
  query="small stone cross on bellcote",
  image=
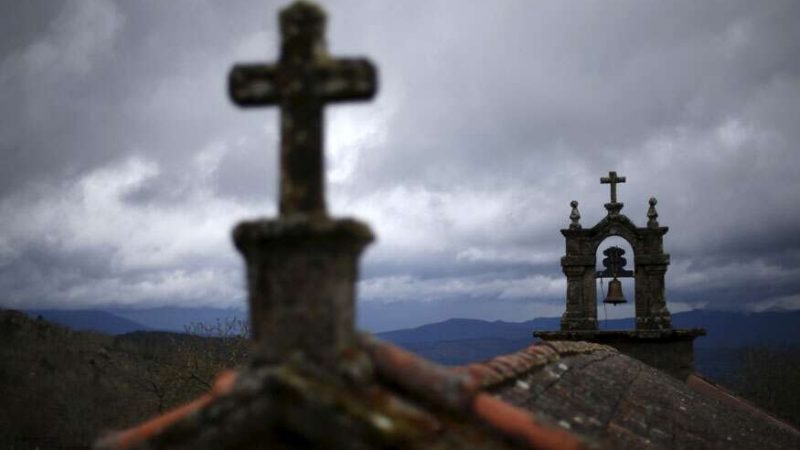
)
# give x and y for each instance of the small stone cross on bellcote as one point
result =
(303, 80)
(612, 179)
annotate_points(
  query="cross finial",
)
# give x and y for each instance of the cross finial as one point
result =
(613, 180)
(303, 80)
(302, 267)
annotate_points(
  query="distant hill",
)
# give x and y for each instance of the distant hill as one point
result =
(177, 319)
(89, 320)
(121, 321)
(470, 329)
(738, 329)
(456, 341)
(460, 341)
(725, 329)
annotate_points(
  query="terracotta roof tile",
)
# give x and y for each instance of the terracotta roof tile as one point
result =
(520, 424)
(554, 395)
(457, 392)
(506, 368)
(438, 384)
(458, 389)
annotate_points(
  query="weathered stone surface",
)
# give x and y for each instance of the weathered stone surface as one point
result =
(555, 396)
(669, 350)
(405, 402)
(613, 398)
(612, 179)
(301, 276)
(654, 341)
(574, 216)
(302, 267)
(652, 214)
(303, 80)
(651, 264)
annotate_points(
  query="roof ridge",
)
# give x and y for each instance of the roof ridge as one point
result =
(504, 368)
(461, 391)
(452, 391)
(136, 435)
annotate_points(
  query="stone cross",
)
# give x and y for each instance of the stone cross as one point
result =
(303, 80)
(612, 179)
(303, 265)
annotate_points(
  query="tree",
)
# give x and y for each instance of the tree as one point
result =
(222, 345)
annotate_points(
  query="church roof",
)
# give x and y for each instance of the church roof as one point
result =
(388, 398)
(554, 395)
(611, 397)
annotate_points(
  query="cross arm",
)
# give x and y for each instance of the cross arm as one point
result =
(253, 84)
(347, 79)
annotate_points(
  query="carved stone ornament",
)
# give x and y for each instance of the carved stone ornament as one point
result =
(574, 216)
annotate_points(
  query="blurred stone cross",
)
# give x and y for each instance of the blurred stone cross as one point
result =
(303, 80)
(612, 179)
(302, 266)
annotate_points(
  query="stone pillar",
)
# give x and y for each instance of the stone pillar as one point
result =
(301, 275)
(651, 267)
(651, 302)
(581, 311)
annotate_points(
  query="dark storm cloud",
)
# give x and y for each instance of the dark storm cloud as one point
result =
(119, 141)
(105, 79)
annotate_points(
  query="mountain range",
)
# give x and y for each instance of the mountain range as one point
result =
(725, 329)
(717, 355)
(89, 320)
(459, 341)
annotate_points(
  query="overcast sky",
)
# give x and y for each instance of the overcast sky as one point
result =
(125, 165)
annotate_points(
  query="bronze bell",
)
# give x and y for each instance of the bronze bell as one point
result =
(615, 296)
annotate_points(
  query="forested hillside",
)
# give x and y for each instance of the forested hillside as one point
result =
(60, 388)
